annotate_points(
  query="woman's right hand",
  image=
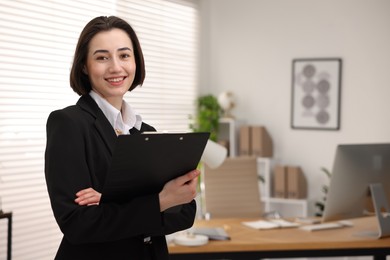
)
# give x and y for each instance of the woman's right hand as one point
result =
(88, 197)
(179, 191)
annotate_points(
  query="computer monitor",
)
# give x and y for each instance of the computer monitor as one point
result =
(355, 167)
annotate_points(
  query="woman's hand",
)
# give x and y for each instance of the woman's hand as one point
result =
(179, 191)
(88, 197)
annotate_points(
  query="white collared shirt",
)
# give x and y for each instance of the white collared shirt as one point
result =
(121, 121)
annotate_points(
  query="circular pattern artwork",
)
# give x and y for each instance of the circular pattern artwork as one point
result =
(312, 97)
(316, 85)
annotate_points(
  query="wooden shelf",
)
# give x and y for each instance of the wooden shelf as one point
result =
(228, 131)
(285, 207)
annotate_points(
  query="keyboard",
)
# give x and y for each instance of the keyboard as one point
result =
(324, 226)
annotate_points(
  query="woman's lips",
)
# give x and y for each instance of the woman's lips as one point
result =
(116, 81)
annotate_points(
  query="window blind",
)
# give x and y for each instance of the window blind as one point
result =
(37, 41)
(168, 32)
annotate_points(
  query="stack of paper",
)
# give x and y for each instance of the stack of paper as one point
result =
(270, 224)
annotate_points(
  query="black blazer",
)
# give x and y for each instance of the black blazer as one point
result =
(79, 147)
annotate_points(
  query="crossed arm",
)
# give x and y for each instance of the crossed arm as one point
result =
(175, 192)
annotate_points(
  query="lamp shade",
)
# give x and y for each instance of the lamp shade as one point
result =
(214, 154)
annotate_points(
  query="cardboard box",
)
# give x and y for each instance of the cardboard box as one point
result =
(296, 183)
(245, 140)
(261, 142)
(280, 181)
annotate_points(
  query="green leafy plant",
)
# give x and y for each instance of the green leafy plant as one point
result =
(320, 205)
(207, 117)
(206, 120)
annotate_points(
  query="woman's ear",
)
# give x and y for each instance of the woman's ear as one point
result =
(85, 70)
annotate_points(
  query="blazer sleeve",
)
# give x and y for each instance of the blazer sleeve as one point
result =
(67, 172)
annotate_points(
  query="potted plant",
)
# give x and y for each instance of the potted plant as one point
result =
(206, 120)
(207, 117)
(320, 205)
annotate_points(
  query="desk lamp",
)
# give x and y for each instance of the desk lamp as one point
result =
(214, 154)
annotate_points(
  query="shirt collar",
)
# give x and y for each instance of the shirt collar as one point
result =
(119, 121)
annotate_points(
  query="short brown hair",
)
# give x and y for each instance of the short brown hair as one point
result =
(79, 81)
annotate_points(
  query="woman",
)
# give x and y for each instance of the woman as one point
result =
(108, 62)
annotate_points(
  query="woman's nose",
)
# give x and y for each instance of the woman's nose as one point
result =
(115, 65)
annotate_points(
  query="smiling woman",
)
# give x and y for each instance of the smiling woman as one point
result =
(80, 143)
(110, 67)
(38, 40)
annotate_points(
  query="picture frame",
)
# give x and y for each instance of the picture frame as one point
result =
(316, 93)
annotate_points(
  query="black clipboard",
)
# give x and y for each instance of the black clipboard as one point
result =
(141, 164)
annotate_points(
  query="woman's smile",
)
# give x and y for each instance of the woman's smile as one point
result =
(111, 65)
(117, 81)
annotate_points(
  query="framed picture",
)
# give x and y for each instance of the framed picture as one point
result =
(316, 93)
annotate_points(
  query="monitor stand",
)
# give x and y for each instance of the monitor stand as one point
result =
(382, 209)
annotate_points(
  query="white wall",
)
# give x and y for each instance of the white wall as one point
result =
(248, 47)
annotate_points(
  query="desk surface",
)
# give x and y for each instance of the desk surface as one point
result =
(247, 239)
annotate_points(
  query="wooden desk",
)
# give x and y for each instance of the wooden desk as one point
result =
(247, 243)
(8, 215)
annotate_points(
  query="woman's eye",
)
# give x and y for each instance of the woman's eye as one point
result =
(125, 56)
(102, 58)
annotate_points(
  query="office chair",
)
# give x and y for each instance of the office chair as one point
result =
(232, 190)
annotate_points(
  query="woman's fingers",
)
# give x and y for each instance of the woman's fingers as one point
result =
(188, 177)
(179, 191)
(88, 197)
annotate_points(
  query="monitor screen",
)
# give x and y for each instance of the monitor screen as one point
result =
(355, 167)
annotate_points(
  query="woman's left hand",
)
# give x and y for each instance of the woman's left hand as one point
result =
(88, 197)
(179, 191)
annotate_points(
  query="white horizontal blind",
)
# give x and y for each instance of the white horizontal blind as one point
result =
(37, 41)
(168, 32)
(36, 48)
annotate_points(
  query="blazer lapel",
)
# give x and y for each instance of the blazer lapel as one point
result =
(102, 125)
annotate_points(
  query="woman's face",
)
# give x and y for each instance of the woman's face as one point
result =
(111, 65)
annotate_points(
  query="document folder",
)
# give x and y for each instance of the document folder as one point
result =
(141, 164)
